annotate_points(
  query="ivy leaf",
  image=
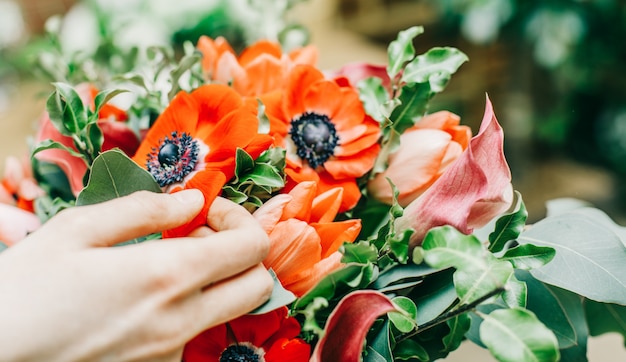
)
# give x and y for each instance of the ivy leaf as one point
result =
(401, 50)
(114, 175)
(405, 319)
(280, 297)
(529, 256)
(517, 335)
(589, 256)
(509, 226)
(66, 110)
(434, 67)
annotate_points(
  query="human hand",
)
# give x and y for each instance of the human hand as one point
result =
(66, 296)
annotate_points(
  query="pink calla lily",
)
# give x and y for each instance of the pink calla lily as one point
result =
(348, 324)
(472, 191)
(16, 223)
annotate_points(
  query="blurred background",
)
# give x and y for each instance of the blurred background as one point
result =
(552, 68)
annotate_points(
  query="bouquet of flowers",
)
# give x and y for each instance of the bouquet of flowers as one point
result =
(395, 233)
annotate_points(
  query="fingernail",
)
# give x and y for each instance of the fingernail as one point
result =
(189, 196)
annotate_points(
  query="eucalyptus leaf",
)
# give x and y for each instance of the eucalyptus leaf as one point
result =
(434, 66)
(517, 335)
(280, 297)
(114, 175)
(404, 322)
(589, 256)
(509, 226)
(401, 50)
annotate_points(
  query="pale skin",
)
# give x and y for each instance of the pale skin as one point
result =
(65, 295)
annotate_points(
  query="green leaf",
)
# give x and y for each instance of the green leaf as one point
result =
(589, 256)
(472, 285)
(509, 226)
(280, 297)
(529, 256)
(604, 318)
(402, 272)
(399, 245)
(434, 67)
(515, 293)
(410, 350)
(114, 175)
(46, 207)
(459, 325)
(104, 97)
(401, 50)
(413, 105)
(3, 246)
(404, 322)
(243, 164)
(373, 95)
(94, 139)
(185, 64)
(234, 195)
(264, 121)
(66, 110)
(379, 349)
(562, 312)
(340, 282)
(435, 295)
(265, 175)
(50, 144)
(361, 252)
(517, 335)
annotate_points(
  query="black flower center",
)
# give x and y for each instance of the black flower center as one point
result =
(315, 137)
(175, 158)
(240, 353)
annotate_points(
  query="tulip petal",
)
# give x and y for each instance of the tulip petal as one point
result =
(474, 189)
(348, 324)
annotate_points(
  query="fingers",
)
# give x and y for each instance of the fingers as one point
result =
(237, 243)
(229, 299)
(125, 218)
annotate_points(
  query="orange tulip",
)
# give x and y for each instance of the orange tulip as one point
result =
(261, 68)
(304, 239)
(426, 150)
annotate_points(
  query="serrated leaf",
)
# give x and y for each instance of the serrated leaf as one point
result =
(529, 256)
(509, 226)
(517, 335)
(373, 95)
(405, 319)
(589, 256)
(361, 252)
(114, 175)
(280, 297)
(66, 110)
(434, 67)
(401, 50)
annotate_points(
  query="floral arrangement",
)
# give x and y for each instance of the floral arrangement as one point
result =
(395, 232)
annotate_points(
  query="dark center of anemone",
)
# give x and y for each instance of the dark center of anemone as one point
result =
(315, 137)
(175, 158)
(240, 353)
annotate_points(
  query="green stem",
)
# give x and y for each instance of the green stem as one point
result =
(451, 314)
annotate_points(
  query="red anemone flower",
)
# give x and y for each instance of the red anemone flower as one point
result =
(261, 68)
(193, 144)
(328, 136)
(304, 239)
(269, 337)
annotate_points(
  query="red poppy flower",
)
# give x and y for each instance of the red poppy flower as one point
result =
(303, 237)
(193, 143)
(115, 132)
(261, 68)
(269, 337)
(328, 136)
